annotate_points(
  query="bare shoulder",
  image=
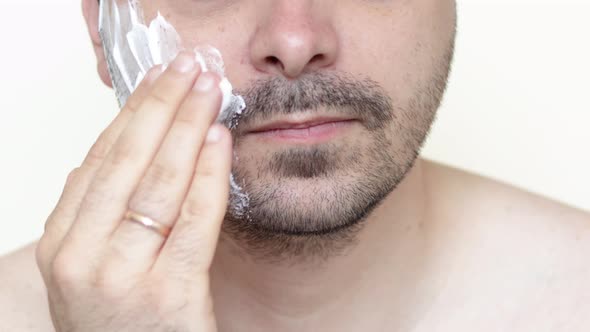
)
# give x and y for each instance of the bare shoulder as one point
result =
(519, 217)
(495, 198)
(23, 302)
(522, 257)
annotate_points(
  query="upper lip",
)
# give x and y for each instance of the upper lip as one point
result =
(296, 123)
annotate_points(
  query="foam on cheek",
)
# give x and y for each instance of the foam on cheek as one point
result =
(131, 48)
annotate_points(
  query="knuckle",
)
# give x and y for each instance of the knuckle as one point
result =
(42, 252)
(99, 150)
(50, 222)
(152, 194)
(132, 104)
(160, 174)
(190, 113)
(206, 172)
(73, 176)
(158, 99)
(123, 153)
(67, 204)
(193, 210)
(185, 120)
(98, 195)
(66, 270)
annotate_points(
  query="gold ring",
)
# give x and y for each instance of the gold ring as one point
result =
(148, 222)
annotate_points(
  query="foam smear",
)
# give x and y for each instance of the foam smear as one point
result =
(132, 47)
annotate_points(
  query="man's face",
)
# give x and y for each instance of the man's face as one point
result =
(379, 65)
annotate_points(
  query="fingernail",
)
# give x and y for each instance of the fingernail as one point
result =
(214, 134)
(184, 62)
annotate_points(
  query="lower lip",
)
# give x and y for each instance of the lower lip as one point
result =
(314, 134)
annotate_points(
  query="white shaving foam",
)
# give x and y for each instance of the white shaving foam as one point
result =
(132, 47)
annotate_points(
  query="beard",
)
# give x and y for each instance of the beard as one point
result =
(310, 202)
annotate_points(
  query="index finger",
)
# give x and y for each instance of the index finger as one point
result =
(79, 179)
(63, 215)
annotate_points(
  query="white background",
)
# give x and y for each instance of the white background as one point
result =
(517, 107)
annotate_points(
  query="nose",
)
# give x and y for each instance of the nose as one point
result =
(294, 37)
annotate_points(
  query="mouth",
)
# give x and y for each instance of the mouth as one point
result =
(300, 129)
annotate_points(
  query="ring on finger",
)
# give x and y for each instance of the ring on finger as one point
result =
(148, 223)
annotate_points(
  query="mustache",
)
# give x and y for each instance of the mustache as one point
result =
(335, 93)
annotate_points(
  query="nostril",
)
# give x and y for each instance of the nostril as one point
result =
(317, 58)
(274, 61)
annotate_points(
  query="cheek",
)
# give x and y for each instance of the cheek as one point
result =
(381, 47)
(217, 23)
(229, 32)
(401, 47)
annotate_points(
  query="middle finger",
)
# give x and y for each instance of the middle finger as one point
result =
(163, 188)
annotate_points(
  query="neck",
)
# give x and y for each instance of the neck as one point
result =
(377, 279)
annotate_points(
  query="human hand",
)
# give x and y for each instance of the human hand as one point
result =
(161, 157)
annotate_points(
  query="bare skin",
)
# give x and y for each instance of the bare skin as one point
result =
(445, 251)
(502, 260)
